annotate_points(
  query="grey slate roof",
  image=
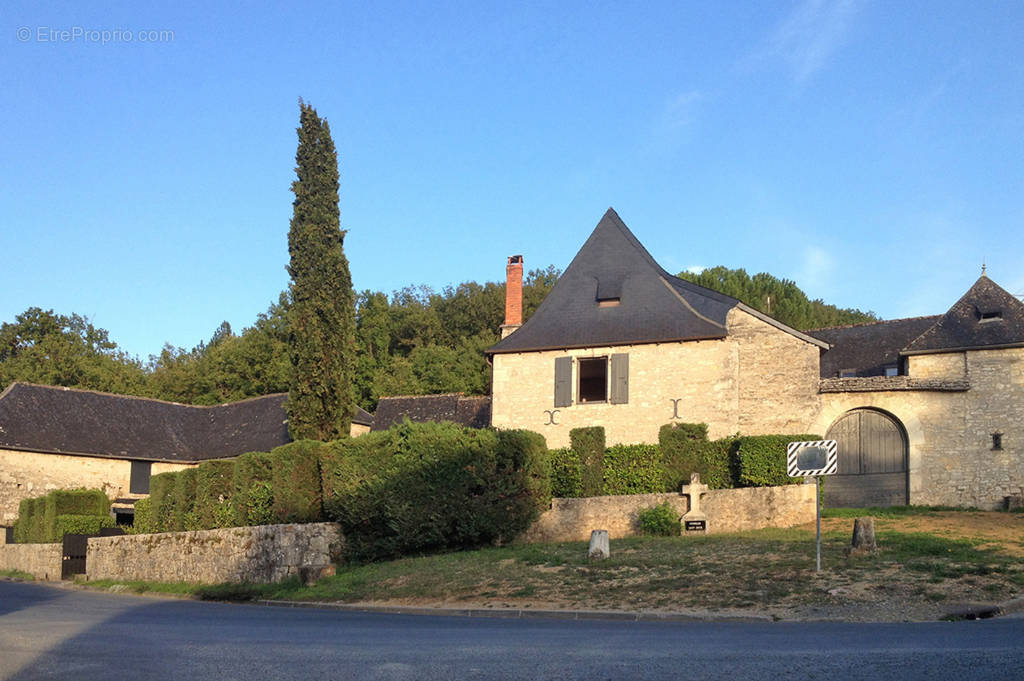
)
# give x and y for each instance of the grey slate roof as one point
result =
(965, 325)
(474, 412)
(654, 306)
(867, 349)
(62, 420)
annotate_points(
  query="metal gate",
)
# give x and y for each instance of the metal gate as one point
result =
(872, 461)
(74, 555)
(75, 549)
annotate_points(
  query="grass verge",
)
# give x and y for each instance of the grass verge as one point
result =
(18, 575)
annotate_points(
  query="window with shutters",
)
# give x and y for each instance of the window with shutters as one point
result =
(593, 379)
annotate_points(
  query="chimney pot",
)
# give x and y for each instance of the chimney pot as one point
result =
(513, 295)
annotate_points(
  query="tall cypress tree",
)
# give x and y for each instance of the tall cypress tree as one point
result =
(322, 314)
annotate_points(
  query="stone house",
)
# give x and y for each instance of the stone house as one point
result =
(926, 411)
(59, 438)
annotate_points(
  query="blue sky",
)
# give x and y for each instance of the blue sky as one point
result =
(871, 151)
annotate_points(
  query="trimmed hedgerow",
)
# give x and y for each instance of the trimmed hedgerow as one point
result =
(761, 459)
(565, 473)
(252, 498)
(161, 501)
(71, 501)
(685, 449)
(214, 485)
(143, 522)
(661, 520)
(183, 497)
(632, 469)
(295, 482)
(81, 524)
(589, 445)
(47, 519)
(423, 487)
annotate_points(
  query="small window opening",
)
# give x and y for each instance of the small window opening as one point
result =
(892, 371)
(593, 380)
(608, 302)
(991, 316)
(848, 373)
(997, 441)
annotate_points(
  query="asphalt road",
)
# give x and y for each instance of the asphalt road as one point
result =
(53, 633)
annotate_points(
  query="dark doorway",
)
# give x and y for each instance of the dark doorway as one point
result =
(873, 451)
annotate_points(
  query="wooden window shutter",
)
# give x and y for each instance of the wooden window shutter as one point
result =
(563, 381)
(620, 379)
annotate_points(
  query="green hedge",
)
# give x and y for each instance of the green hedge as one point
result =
(214, 486)
(295, 482)
(632, 469)
(182, 502)
(81, 524)
(143, 522)
(252, 497)
(565, 473)
(761, 459)
(47, 519)
(161, 501)
(589, 445)
(433, 486)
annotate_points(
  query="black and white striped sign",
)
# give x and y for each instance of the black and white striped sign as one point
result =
(811, 458)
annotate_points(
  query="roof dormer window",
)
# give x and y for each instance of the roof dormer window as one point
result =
(991, 316)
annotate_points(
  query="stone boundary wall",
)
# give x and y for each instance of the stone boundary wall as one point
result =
(42, 561)
(262, 554)
(727, 510)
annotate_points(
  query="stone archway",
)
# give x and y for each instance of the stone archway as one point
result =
(873, 453)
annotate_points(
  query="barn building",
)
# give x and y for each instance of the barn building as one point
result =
(926, 411)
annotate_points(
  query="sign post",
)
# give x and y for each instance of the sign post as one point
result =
(813, 459)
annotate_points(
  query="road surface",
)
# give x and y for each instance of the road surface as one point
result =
(54, 633)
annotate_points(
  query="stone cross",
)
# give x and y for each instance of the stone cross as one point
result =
(694, 490)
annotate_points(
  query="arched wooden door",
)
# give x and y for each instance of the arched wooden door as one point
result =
(872, 448)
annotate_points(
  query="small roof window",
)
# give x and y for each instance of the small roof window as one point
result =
(991, 316)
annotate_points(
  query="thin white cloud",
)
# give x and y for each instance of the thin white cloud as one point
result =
(696, 269)
(816, 270)
(672, 126)
(811, 34)
(681, 109)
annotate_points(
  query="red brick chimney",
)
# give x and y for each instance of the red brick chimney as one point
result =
(513, 295)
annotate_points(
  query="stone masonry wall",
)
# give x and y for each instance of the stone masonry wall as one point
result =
(951, 459)
(42, 561)
(757, 380)
(266, 553)
(33, 474)
(727, 510)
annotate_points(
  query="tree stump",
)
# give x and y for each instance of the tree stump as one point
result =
(864, 535)
(599, 545)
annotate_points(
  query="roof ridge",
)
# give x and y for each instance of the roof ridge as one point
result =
(140, 398)
(405, 397)
(880, 321)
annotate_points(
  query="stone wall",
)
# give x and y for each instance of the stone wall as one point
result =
(33, 474)
(727, 510)
(42, 561)
(758, 380)
(949, 428)
(267, 553)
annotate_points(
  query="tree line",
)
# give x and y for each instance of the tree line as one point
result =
(414, 341)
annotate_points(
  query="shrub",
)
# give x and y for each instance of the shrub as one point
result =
(685, 449)
(632, 469)
(71, 501)
(161, 501)
(143, 522)
(183, 497)
(661, 520)
(214, 485)
(252, 498)
(761, 459)
(295, 482)
(565, 473)
(432, 486)
(80, 524)
(589, 445)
